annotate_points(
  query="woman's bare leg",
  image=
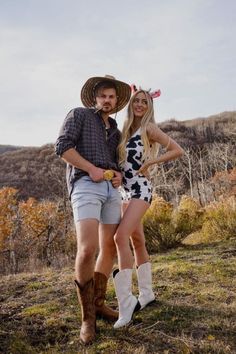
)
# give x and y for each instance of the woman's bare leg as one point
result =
(131, 218)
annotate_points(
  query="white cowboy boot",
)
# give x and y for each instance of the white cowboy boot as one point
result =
(144, 275)
(126, 300)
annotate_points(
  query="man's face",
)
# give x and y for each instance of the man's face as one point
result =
(106, 99)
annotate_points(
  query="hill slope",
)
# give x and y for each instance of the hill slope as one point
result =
(36, 172)
(39, 173)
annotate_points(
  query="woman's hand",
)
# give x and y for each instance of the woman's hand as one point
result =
(117, 179)
(144, 169)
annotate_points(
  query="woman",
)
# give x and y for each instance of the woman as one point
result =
(138, 150)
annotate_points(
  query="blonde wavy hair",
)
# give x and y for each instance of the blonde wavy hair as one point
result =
(150, 148)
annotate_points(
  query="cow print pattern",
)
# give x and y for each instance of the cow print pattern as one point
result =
(135, 186)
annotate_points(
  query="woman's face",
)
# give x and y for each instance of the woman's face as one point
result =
(140, 105)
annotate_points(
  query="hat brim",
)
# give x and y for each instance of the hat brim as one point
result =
(123, 92)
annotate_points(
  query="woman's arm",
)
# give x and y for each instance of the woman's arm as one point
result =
(173, 149)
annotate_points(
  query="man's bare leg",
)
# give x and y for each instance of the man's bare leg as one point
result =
(103, 268)
(87, 244)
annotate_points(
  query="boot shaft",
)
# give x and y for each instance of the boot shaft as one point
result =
(100, 287)
(144, 275)
(101, 309)
(86, 299)
(123, 282)
(126, 300)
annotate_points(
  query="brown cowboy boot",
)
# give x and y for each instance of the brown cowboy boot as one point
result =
(86, 299)
(100, 287)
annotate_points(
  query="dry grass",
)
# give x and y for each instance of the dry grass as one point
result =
(194, 313)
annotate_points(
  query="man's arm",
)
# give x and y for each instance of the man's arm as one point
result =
(72, 157)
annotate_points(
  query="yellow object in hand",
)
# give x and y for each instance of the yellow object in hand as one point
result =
(108, 175)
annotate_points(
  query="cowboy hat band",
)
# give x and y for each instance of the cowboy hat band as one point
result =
(123, 91)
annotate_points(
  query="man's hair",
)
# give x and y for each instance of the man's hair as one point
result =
(103, 85)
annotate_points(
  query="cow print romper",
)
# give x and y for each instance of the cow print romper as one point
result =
(135, 186)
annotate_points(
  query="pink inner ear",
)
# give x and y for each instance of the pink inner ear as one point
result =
(155, 94)
(133, 88)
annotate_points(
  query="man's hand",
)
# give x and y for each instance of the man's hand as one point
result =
(117, 179)
(96, 174)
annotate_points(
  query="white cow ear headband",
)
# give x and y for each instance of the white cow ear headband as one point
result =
(152, 94)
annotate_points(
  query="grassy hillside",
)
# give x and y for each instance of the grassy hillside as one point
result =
(194, 312)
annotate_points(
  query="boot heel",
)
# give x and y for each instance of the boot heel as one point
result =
(137, 307)
(126, 319)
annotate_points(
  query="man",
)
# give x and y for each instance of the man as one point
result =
(88, 143)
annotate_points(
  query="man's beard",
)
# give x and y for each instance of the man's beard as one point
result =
(104, 108)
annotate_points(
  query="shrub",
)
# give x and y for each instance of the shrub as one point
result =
(220, 220)
(188, 217)
(166, 227)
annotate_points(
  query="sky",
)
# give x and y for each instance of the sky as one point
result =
(49, 48)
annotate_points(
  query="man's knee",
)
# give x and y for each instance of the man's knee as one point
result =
(85, 253)
(108, 251)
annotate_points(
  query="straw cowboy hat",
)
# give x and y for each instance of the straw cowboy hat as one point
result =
(123, 92)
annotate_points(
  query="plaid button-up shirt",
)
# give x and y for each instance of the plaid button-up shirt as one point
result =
(84, 130)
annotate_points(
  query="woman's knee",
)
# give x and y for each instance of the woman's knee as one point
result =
(120, 238)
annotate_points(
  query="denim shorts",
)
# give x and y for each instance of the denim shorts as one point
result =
(96, 200)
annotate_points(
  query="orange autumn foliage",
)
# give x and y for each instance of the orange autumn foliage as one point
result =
(8, 207)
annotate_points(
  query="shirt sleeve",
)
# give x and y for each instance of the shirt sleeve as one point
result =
(70, 131)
